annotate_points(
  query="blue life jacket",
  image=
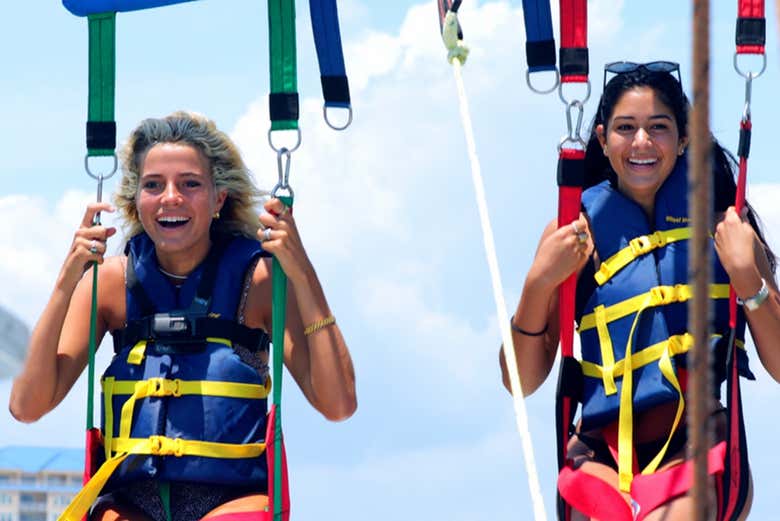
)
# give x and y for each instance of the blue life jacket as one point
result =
(176, 397)
(643, 284)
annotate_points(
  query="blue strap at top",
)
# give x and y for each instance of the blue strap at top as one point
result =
(540, 43)
(327, 39)
(87, 7)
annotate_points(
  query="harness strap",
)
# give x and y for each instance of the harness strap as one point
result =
(88, 7)
(636, 248)
(101, 127)
(283, 99)
(155, 446)
(327, 40)
(656, 296)
(751, 27)
(574, 41)
(653, 490)
(220, 330)
(540, 42)
(592, 496)
(571, 176)
(278, 489)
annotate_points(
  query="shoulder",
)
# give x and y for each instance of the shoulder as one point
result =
(257, 311)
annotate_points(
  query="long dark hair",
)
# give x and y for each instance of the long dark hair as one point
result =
(669, 91)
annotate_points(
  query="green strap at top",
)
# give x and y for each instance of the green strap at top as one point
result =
(279, 315)
(283, 100)
(101, 141)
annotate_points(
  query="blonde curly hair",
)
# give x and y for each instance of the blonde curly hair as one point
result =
(228, 171)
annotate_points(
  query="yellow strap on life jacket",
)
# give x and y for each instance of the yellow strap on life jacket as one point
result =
(137, 353)
(658, 296)
(160, 387)
(157, 446)
(636, 248)
(607, 351)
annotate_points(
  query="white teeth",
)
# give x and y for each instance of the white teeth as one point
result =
(642, 161)
(172, 219)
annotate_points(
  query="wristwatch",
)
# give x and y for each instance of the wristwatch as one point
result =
(752, 303)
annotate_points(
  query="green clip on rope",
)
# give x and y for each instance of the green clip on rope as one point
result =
(278, 319)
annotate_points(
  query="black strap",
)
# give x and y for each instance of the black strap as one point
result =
(178, 328)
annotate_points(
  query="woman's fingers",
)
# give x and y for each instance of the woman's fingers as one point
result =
(92, 210)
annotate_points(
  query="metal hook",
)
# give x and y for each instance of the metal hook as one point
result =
(277, 150)
(748, 96)
(284, 172)
(574, 131)
(567, 102)
(749, 74)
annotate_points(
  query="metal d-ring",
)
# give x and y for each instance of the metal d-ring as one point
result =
(277, 150)
(331, 125)
(100, 178)
(567, 102)
(542, 91)
(749, 74)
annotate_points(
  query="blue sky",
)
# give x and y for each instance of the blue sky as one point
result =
(387, 212)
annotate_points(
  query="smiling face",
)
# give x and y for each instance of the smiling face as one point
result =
(176, 200)
(642, 142)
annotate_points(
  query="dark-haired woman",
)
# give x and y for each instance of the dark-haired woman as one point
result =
(629, 250)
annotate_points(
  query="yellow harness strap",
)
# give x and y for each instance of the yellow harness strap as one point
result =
(157, 446)
(636, 248)
(659, 295)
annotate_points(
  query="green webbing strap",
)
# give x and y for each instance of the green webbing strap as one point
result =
(92, 349)
(278, 318)
(165, 497)
(283, 100)
(101, 128)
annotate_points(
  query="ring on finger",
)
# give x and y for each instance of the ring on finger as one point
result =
(582, 237)
(93, 246)
(266, 235)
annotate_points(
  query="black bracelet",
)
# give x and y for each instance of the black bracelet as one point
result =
(523, 331)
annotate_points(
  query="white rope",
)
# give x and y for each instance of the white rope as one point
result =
(503, 320)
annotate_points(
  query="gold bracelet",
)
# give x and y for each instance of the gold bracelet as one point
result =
(316, 326)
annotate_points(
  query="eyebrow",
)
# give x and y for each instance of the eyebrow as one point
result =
(655, 116)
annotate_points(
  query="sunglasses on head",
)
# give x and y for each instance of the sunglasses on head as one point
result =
(619, 68)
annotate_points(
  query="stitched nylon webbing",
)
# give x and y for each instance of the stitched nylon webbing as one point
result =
(101, 128)
(283, 100)
(279, 316)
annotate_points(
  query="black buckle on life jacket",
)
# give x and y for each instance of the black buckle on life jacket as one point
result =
(176, 332)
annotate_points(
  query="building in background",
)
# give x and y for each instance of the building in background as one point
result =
(37, 483)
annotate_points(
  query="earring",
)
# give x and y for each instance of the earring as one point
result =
(216, 215)
(605, 150)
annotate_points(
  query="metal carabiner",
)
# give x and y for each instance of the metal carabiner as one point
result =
(284, 172)
(748, 97)
(574, 131)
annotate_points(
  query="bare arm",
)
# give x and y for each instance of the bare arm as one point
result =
(320, 362)
(742, 255)
(558, 255)
(57, 352)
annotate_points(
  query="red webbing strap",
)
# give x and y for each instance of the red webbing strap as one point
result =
(243, 516)
(574, 41)
(570, 181)
(592, 496)
(653, 490)
(270, 435)
(751, 27)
